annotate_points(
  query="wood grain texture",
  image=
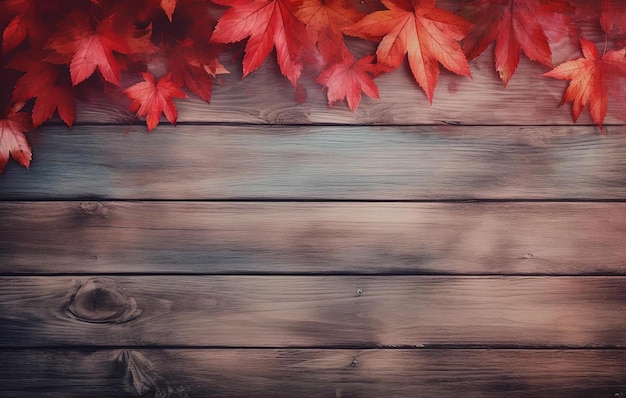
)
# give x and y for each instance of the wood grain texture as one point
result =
(322, 162)
(333, 311)
(269, 237)
(313, 373)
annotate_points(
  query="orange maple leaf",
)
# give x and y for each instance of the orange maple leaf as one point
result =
(13, 142)
(348, 78)
(266, 24)
(515, 26)
(168, 6)
(429, 35)
(150, 99)
(324, 22)
(590, 77)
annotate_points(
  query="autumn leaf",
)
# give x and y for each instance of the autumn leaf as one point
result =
(86, 48)
(214, 67)
(189, 56)
(613, 17)
(194, 69)
(267, 24)
(324, 22)
(42, 81)
(515, 26)
(29, 20)
(13, 142)
(151, 98)
(348, 78)
(590, 78)
(17, 30)
(168, 7)
(429, 35)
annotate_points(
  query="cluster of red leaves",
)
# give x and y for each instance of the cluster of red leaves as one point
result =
(53, 50)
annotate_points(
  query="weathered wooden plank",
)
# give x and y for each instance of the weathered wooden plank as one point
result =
(313, 373)
(332, 311)
(218, 162)
(269, 237)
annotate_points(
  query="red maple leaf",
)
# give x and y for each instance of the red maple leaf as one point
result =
(324, 22)
(515, 26)
(42, 81)
(348, 78)
(13, 142)
(429, 35)
(86, 48)
(266, 24)
(29, 19)
(194, 66)
(189, 56)
(590, 78)
(150, 99)
(613, 16)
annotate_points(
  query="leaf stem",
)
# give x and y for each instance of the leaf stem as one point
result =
(130, 125)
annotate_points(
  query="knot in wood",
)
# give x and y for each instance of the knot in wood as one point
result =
(142, 379)
(91, 207)
(102, 301)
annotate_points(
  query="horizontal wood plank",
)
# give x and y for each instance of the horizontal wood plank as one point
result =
(265, 96)
(322, 162)
(313, 373)
(309, 237)
(333, 311)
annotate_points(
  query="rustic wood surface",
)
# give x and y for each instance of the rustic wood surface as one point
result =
(261, 248)
(322, 162)
(313, 373)
(299, 311)
(312, 238)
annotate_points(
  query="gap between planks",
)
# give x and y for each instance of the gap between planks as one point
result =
(321, 200)
(345, 347)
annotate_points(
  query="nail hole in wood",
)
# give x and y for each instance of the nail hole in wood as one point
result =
(528, 256)
(354, 363)
(618, 395)
(359, 292)
(102, 301)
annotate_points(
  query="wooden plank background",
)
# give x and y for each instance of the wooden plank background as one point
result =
(261, 248)
(323, 162)
(475, 238)
(286, 311)
(331, 373)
